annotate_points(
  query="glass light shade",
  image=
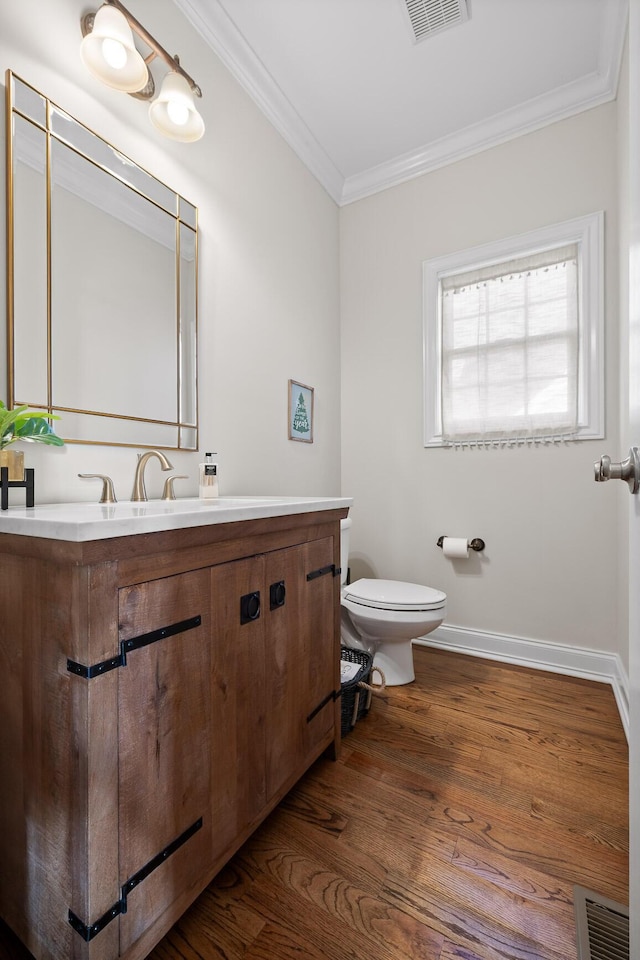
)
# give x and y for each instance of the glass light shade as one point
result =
(173, 112)
(109, 53)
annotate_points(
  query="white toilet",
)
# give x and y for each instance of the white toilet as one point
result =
(384, 616)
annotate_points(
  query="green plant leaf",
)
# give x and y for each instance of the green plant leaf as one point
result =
(25, 424)
(36, 428)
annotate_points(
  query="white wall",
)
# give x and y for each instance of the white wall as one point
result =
(551, 568)
(268, 308)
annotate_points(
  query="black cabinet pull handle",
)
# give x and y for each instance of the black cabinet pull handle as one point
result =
(277, 594)
(323, 571)
(250, 607)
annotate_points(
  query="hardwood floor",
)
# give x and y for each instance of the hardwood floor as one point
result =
(461, 813)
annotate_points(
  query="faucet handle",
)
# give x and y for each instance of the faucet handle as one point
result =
(108, 493)
(168, 492)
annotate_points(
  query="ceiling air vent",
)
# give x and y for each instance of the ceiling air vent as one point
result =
(431, 16)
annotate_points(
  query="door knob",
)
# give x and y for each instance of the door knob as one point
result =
(628, 470)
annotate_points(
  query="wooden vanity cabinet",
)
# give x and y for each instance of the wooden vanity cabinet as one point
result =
(161, 693)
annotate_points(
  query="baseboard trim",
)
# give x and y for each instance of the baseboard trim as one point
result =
(539, 655)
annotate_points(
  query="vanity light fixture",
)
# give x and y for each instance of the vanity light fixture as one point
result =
(109, 52)
(173, 111)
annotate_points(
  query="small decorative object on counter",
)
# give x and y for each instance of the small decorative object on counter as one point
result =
(28, 483)
(13, 460)
(356, 669)
(22, 424)
(208, 486)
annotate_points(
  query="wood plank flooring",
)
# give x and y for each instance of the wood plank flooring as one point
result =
(461, 813)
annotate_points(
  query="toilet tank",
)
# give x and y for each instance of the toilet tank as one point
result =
(345, 526)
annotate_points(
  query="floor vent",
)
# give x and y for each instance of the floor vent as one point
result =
(427, 17)
(602, 927)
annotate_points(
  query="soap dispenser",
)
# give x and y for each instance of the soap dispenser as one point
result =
(208, 486)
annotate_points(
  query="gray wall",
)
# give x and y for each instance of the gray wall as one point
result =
(551, 569)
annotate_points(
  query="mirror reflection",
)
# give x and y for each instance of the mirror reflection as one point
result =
(103, 274)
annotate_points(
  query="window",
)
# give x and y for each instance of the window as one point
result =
(513, 335)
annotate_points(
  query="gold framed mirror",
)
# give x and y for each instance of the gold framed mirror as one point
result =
(102, 265)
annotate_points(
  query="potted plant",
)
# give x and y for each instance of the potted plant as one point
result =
(23, 424)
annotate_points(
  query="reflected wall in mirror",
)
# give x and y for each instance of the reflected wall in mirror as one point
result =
(102, 280)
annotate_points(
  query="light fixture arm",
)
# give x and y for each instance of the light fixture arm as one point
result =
(158, 51)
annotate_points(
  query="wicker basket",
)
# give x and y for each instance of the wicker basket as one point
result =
(357, 692)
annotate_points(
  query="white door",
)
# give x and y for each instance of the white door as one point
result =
(634, 501)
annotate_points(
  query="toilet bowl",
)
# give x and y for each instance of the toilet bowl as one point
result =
(384, 616)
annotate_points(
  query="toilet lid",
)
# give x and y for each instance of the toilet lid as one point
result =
(394, 595)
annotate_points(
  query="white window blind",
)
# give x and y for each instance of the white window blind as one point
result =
(510, 349)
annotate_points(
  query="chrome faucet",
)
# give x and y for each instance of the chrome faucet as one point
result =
(139, 491)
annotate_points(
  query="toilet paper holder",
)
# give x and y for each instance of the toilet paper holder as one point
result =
(476, 544)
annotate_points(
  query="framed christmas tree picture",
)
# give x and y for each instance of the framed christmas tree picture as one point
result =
(300, 412)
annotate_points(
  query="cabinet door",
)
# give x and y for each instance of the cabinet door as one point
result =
(302, 659)
(321, 640)
(164, 745)
(238, 683)
(274, 669)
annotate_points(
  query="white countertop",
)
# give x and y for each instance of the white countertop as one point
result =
(93, 521)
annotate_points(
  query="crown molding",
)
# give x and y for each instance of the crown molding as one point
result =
(218, 30)
(212, 22)
(560, 104)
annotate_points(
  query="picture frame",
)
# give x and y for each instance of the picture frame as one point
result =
(300, 412)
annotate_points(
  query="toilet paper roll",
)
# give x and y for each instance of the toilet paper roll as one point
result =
(455, 547)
